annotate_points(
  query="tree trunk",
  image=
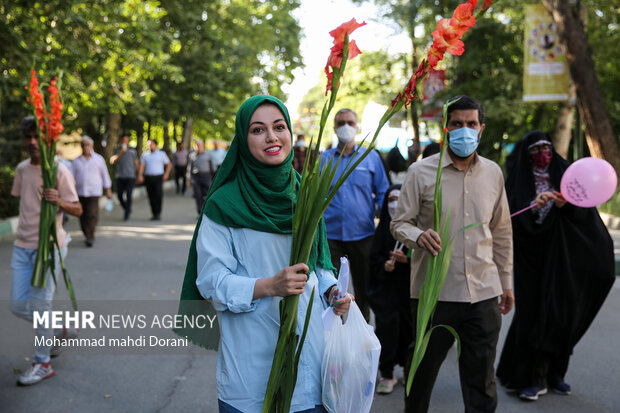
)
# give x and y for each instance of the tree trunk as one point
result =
(140, 137)
(114, 130)
(187, 132)
(177, 136)
(590, 101)
(166, 127)
(564, 123)
(92, 130)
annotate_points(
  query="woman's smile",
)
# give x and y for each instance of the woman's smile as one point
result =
(269, 138)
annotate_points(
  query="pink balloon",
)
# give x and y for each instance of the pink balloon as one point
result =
(589, 182)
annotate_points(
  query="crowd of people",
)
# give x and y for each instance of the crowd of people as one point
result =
(563, 254)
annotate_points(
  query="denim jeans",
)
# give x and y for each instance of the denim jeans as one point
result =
(227, 408)
(25, 299)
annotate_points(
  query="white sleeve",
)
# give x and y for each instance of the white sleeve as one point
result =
(216, 268)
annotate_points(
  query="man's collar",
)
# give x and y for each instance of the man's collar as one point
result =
(352, 151)
(447, 160)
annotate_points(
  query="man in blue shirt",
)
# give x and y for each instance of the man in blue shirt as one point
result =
(154, 170)
(350, 216)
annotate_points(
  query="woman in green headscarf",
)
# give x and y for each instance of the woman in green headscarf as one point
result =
(240, 262)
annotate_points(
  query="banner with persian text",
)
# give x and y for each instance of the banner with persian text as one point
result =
(545, 72)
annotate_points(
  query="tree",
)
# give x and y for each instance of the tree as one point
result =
(134, 64)
(590, 99)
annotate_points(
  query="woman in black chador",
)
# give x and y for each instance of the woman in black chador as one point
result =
(388, 294)
(563, 270)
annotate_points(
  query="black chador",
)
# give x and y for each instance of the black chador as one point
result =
(563, 271)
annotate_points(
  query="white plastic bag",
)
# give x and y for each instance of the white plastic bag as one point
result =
(349, 367)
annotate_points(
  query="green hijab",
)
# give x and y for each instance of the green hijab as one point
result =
(247, 194)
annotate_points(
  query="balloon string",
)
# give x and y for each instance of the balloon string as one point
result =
(523, 210)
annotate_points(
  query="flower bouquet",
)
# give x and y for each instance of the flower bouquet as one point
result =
(48, 131)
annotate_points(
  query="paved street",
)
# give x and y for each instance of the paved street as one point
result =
(142, 260)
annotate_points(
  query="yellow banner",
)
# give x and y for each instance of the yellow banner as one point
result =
(545, 72)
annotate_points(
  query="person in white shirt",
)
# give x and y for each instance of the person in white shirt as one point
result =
(218, 153)
(154, 170)
(91, 177)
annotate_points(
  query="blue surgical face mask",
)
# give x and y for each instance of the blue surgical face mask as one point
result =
(463, 141)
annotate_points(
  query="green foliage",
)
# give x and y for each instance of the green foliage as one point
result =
(603, 31)
(9, 205)
(491, 69)
(612, 206)
(154, 61)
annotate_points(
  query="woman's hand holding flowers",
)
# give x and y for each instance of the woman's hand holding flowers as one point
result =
(289, 280)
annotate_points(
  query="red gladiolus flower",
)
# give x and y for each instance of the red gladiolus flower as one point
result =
(54, 117)
(453, 46)
(434, 56)
(335, 58)
(486, 4)
(36, 98)
(421, 70)
(345, 28)
(464, 15)
(449, 32)
(396, 100)
(446, 38)
(409, 92)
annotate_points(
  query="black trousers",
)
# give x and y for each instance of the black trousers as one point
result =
(90, 215)
(155, 190)
(392, 307)
(179, 175)
(201, 182)
(124, 191)
(358, 253)
(478, 328)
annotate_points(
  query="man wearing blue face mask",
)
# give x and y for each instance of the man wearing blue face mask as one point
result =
(349, 218)
(480, 264)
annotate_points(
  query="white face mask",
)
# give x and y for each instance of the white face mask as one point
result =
(392, 208)
(346, 133)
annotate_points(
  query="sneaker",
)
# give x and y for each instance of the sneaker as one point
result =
(90, 242)
(532, 393)
(386, 386)
(561, 388)
(64, 334)
(36, 373)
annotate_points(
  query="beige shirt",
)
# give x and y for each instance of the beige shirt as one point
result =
(481, 260)
(28, 185)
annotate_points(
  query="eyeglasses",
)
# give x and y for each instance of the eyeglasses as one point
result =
(540, 148)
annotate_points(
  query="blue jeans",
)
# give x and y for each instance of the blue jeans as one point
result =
(25, 299)
(227, 408)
